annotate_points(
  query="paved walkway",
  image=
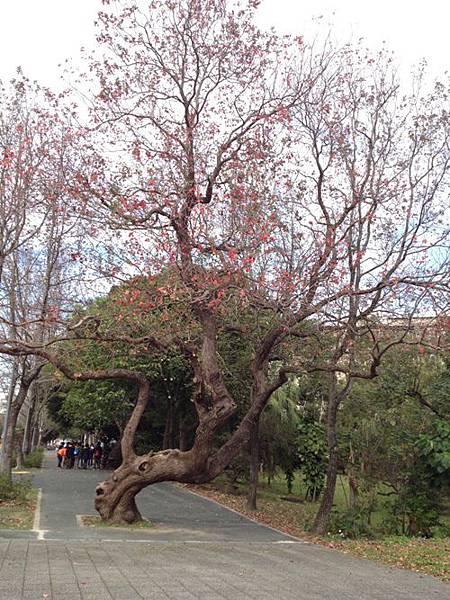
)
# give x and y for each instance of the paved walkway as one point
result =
(177, 514)
(197, 550)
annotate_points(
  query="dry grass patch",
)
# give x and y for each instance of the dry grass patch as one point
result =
(430, 556)
(17, 505)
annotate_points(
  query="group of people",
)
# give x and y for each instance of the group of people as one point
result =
(82, 456)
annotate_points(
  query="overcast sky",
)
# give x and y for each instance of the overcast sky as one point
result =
(39, 34)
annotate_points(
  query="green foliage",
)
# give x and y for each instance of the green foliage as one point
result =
(434, 450)
(291, 440)
(13, 491)
(395, 440)
(106, 405)
(420, 499)
(421, 509)
(351, 523)
(312, 456)
(91, 405)
(34, 459)
(278, 433)
(237, 472)
(414, 508)
(143, 305)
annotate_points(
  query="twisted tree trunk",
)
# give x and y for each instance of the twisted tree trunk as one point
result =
(115, 497)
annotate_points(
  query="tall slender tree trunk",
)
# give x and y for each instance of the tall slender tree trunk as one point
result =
(4, 468)
(168, 440)
(19, 453)
(323, 514)
(26, 444)
(16, 405)
(35, 437)
(254, 466)
(352, 479)
(353, 489)
(8, 452)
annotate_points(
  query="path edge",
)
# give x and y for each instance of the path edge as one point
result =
(37, 516)
(236, 512)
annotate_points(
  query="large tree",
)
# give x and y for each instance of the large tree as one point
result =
(273, 176)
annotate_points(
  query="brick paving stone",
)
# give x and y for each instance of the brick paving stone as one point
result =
(63, 588)
(125, 593)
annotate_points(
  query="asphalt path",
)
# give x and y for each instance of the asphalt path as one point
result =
(176, 513)
(196, 550)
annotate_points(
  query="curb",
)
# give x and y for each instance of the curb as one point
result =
(37, 517)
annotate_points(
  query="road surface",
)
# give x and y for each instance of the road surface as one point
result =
(197, 550)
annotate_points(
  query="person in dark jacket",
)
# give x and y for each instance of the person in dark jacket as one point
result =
(71, 456)
(98, 452)
(91, 456)
(77, 453)
(84, 456)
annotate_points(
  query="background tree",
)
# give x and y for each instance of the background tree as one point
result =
(38, 234)
(384, 430)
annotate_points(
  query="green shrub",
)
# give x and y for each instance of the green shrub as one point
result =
(13, 491)
(312, 457)
(415, 512)
(441, 531)
(34, 459)
(354, 522)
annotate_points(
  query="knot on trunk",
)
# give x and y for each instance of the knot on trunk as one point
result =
(144, 466)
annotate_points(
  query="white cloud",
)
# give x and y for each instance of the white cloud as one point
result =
(39, 34)
(413, 29)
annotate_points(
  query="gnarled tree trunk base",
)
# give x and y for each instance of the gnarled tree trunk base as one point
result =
(115, 498)
(125, 512)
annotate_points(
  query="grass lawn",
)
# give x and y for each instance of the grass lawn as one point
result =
(34, 459)
(429, 556)
(18, 513)
(18, 500)
(421, 555)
